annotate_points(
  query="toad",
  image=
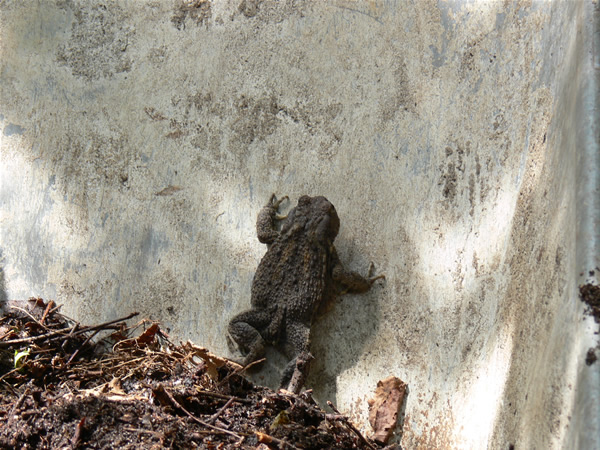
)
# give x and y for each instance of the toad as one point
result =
(299, 276)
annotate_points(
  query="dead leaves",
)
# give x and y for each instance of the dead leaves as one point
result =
(142, 391)
(385, 407)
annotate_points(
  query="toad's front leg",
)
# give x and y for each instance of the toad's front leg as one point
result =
(352, 282)
(265, 222)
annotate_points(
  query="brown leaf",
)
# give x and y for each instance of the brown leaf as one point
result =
(117, 336)
(213, 362)
(115, 387)
(161, 395)
(384, 408)
(76, 440)
(37, 302)
(148, 336)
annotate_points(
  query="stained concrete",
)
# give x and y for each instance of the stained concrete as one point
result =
(140, 139)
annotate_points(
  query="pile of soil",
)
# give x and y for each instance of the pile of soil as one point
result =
(61, 388)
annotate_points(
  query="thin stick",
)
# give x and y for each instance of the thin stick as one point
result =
(9, 386)
(56, 308)
(223, 396)
(129, 361)
(216, 415)
(242, 370)
(8, 373)
(76, 440)
(352, 427)
(76, 352)
(105, 324)
(39, 337)
(17, 404)
(268, 439)
(49, 306)
(61, 332)
(141, 431)
(29, 314)
(191, 416)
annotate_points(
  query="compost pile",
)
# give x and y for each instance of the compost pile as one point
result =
(61, 386)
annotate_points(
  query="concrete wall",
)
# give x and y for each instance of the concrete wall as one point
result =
(141, 138)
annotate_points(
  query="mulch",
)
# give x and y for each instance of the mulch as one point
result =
(64, 385)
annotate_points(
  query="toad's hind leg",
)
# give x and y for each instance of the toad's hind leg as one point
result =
(297, 348)
(243, 330)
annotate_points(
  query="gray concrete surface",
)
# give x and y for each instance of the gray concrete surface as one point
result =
(140, 139)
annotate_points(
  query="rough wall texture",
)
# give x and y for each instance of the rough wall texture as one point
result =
(140, 139)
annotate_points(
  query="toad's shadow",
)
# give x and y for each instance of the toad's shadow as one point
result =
(340, 337)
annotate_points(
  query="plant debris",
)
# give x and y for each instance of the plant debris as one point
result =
(61, 389)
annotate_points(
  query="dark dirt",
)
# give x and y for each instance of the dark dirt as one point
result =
(58, 389)
(590, 357)
(590, 295)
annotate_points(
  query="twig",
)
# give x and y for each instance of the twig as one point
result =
(242, 370)
(300, 373)
(83, 374)
(8, 373)
(349, 425)
(216, 415)
(268, 439)
(17, 404)
(129, 361)
(9, 331)
(30, 315)
(49, 306)
(76, 352)
(105, 324)
(73, 329)
(333, 417)
(223, 396)
(39, 337)
(141, 431)
(76, 440)
(252, 364)
(9, 386)
(191, 416)
(56, 308)
(61, 332)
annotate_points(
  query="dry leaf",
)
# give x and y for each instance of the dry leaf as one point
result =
(384, 408)
(213, 362)
(148, 336)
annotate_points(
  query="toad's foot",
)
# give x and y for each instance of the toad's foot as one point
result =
(296, 373)
(370, 276)
(265, 223)
(274, 203)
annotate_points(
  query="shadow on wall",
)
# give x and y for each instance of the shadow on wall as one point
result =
(341, 336)
(350, 331)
